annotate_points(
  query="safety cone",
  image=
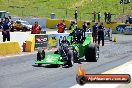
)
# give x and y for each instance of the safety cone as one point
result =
(114, 39)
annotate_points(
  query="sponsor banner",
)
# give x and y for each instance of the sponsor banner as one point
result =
(53, 39)
(83, 78)
(41, 41)
(106, 78)
(119, 29)
(128, 30)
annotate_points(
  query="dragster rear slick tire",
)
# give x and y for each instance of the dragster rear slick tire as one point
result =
(90, 53)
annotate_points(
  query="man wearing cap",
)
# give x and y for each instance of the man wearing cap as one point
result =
(61, 27)
(36, 29)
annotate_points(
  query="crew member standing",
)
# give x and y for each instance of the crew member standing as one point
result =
(101, 34)
(73, 27)
(94, 32)
(88, 27)
(6, 30)
(61, 27)
(36, 29)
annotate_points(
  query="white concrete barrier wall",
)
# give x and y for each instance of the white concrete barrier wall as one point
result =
(17, 36)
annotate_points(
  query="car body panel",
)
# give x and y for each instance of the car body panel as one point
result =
(51, 59)
(81, 47)
(56, 58)
(18, 26)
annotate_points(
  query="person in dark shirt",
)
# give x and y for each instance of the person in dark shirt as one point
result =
(94, 32)
(88, 27)
(99, 16)
(106, 16)
(94, 16)
(84, 26)
(109, 17)
(76, 14)
(101, 34)
(6, 30)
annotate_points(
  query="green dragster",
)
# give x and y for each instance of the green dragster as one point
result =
(70, 51)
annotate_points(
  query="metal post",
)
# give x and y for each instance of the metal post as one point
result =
(22, 9)
(123, 6)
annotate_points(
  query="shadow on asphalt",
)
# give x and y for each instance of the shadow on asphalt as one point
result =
(47, 66)
(51, 66)
(57, 66)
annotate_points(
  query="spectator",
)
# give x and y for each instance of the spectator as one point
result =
(6, 30)
(36, 29)
(61, 27)
(109, 17)
(101, 34)
(106, 17)
(76, 14)
(94, 32)
(94, 15)
(99, 16)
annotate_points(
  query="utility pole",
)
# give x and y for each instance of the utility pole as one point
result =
(123, 6)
